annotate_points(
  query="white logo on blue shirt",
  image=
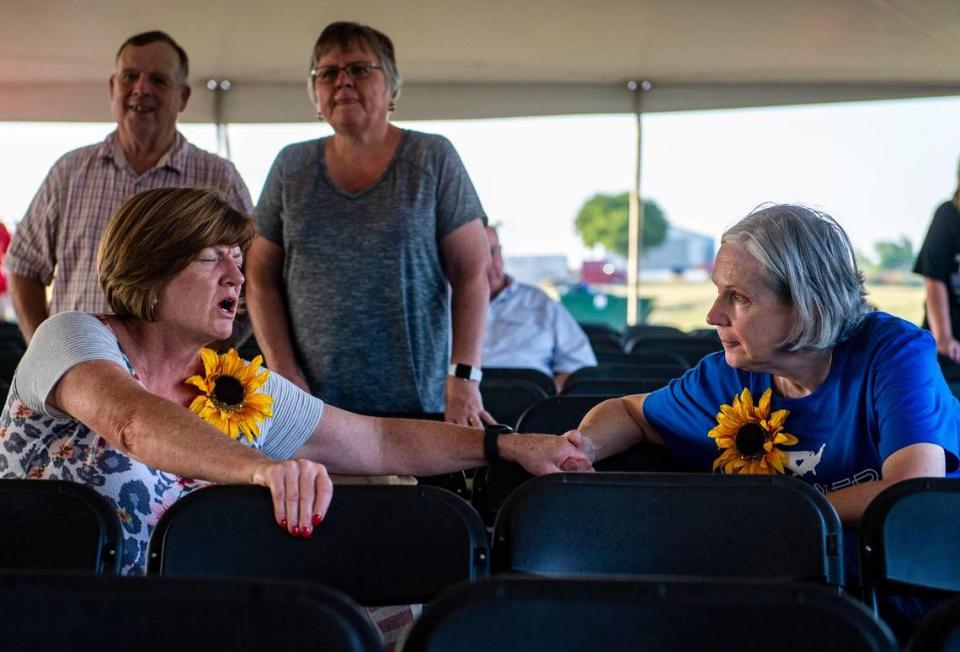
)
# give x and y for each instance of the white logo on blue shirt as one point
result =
(801, 463)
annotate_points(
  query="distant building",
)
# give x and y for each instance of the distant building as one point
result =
(682, 250)
(537, 270)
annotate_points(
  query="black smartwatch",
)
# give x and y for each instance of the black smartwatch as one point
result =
(491, 445)
(465, 372)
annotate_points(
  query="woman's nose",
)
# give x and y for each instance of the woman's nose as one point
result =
(234, 276)
(715, 316)
(343, 79)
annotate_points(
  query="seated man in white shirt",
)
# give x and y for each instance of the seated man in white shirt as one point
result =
(527, 329)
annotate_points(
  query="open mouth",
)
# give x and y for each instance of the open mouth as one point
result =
(228, 305)
(140, 109)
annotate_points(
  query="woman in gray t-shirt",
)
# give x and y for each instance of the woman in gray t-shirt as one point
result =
(360, 235)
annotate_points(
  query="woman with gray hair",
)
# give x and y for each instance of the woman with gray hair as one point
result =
(359, 235)
(811, 382)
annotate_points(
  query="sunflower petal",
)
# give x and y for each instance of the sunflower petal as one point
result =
(746, 402)
(763, 409)
(210, 361)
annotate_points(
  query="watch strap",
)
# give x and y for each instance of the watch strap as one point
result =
(465, 371)
(491, 443)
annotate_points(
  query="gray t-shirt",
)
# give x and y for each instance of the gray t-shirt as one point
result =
(365, 288)
(38, 441)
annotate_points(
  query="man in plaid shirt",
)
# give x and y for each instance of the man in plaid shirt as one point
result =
(57, 240)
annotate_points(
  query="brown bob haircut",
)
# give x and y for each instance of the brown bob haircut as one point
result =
(155, 235)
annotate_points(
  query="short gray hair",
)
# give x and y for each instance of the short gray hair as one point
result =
(345, 34)
(810, 264)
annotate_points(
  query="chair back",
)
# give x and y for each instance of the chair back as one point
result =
(670, 524)
(605, 342)
(617, 370)
(555, 416)
(508, 398)
(692, 349)
(939, 631)
(909, 539)
(652, 330)
(510, 614)
(538, 378)
(598, 328)
(614, 386)
(642, 357)
(76, 612)
(57, 525)
(381, 545)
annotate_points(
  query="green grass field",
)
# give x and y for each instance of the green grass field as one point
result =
(685, 305)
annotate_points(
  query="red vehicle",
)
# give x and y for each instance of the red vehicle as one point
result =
(598, 272)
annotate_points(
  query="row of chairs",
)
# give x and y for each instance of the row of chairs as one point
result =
(399, 545)
(508, 613)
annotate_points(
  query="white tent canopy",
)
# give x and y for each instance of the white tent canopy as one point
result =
(465, 59)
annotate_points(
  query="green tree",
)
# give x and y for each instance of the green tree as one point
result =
(604, 219)
(894, 255)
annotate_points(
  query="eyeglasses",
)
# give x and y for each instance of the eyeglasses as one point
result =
(355, 70)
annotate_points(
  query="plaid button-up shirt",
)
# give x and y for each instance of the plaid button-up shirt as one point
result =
(57, 239)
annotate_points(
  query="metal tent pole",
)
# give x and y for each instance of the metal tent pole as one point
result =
(635, 233)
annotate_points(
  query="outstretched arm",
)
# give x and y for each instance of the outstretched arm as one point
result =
(358, 445)
(615, 425)
(166, 436)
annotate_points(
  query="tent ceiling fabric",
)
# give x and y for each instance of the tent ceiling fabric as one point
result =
(467, 59)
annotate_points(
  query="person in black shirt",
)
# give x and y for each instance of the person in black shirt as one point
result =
(939, 263)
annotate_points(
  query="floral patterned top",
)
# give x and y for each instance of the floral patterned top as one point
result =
(39, 442)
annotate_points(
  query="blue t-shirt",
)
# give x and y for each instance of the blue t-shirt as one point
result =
(884, 391)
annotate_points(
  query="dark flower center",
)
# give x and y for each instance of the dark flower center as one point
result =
(228, 390)
(750, 439)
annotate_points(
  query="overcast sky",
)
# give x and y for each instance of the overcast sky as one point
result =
(880, 168)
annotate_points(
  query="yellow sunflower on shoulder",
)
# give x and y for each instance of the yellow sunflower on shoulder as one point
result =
(749, 435)
(229, 400)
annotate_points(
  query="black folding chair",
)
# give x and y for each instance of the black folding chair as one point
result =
(507, 398)
(690, 348)
(57, 525)
(605, 342)
(12, 348)
(670, 524)
(651, 330)
(939, 631)
(614, 386)
(381, 545)
(538, 378)
(89, 612)
(642, 358)
(909, 538)
(710, 333)
(555, 416)
(599, 328)
(611, 371)
(510, 614)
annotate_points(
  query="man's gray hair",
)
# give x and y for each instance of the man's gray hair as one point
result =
(811, 265)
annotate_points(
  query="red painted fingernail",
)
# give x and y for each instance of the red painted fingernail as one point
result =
(316, 519)
(295, 530)
(306, 531)
(283, 524)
